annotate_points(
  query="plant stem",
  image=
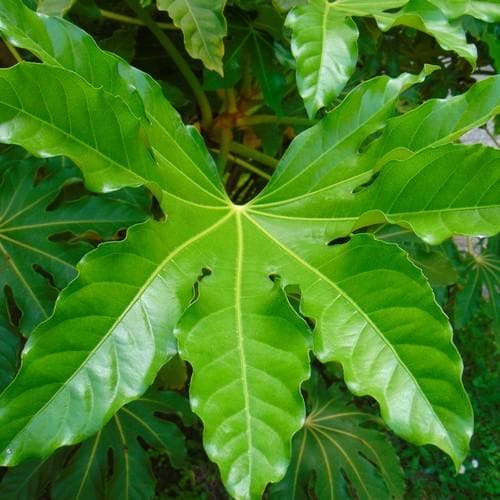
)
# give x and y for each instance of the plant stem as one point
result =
(132, 20)
(492, 136)
(180, 62)
(262, 119)
(225, 143)
(230, 97)
(14, 52)
(245, 164)
(242, 150)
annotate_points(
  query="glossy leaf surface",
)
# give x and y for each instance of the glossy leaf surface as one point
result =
(324, 46)
(211, 277)
(168, 137)
(203, 26)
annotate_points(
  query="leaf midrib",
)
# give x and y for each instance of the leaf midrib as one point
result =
(241, 346)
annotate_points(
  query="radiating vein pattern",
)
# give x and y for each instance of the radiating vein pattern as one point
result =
(34, 265)
(348, 455)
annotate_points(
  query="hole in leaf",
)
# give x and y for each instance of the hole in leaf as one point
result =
(375, 465)
(111, 462)
(367, 184)
(15, 314)
(339, 241)
(274, 277)
(45, 274)
(205, 271)
(41, 174)
(368, 140)
(156, 210)
(294, 297)
(351, 490)
(70, 191)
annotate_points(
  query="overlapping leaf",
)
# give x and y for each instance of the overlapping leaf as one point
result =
(324, 39)
(174, 145)
(336, 455)
(35, 265)
(55, 7)
(86, 472)
(116, 324)
(203, 25)
(487, 10)
(324, 45)
(426, 17)
(482, 281)
(10, 345)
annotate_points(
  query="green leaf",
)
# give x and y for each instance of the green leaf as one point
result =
(130, 335)
(324, 44)
(171, 143)
(351, 195)
(87, 475)
(336, 455)
(31, 479)
(112, 153)
(55, 7)
(423, 16)
(85, 472)
(266, 70)
(481, 273)
(203, 26)
(212, 276)
(249, 407)
(433, 261)
(487, 10)
(35, 264)
(10, 347)
(336, 139)
(449, 207)
(435, 122)
(366, 7)
(122, 42)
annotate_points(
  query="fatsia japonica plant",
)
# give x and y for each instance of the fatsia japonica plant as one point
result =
(213, 282)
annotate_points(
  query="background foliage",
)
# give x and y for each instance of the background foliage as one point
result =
(257, 110)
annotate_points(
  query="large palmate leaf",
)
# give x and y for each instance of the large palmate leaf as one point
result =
(36, 264)
(111, 464)
(203, 26)
(336, 455)
(120, 320)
